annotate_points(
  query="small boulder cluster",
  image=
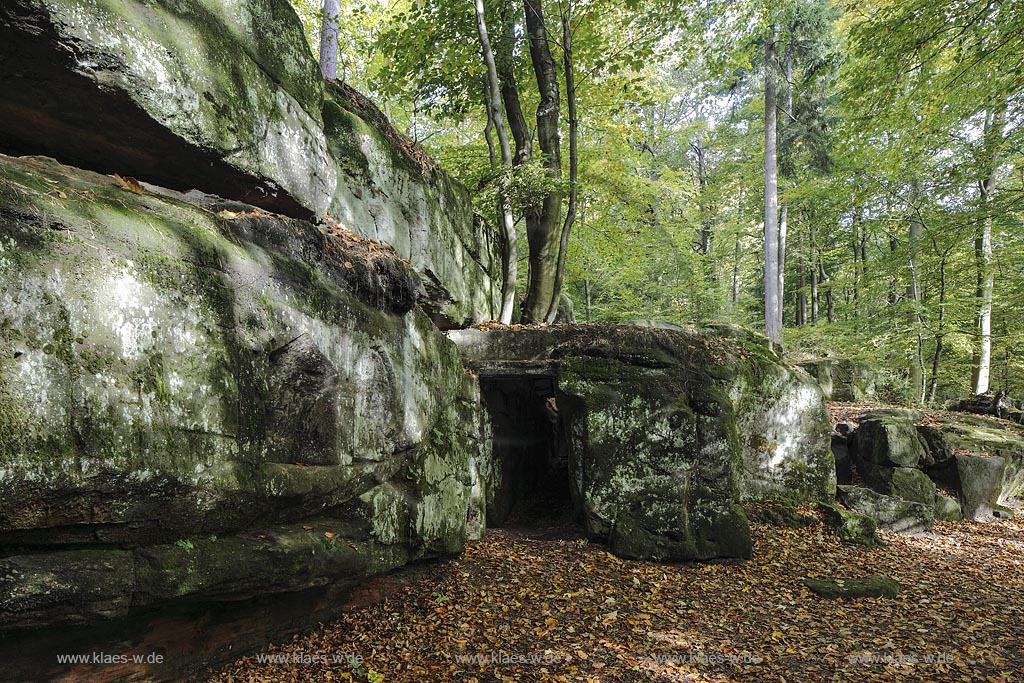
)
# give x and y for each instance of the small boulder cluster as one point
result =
(904, 470)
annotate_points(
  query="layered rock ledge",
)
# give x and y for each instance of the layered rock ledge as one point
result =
(224, 97)
(203, 403)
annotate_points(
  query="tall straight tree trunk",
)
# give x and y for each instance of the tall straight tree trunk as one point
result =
(329, 39)
(814, 270)
(857, 266)
(916, 358)
(784, 220)
(783, 231)
(543, 231)
(983, 253)
(772, 317)
(702, 183)
(586, 294)
(826, 280)
(893, 246)
(574, 163)
(735, 299)
(801, 298)
(510, 259)
(940, 333)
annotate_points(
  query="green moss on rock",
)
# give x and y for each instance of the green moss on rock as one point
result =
(851, 527)
(860, 587)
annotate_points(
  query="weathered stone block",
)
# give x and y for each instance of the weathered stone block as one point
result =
(170, 374)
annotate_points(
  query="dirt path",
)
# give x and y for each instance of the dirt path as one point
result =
(517, 609)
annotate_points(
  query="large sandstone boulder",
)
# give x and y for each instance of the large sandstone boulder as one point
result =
(224, 97)
(890, 440)
(668, 430)
(212, 403)
(981, 484)
(980, 458)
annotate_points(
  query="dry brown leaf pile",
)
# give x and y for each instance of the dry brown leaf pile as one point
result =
(563, 610)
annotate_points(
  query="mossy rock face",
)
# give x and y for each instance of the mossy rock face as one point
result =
(422, 214)
(779, 513)
(908, 484)
(890, 441)
(222, 95)
(79, 586)
(890, 512)
(980, 484)
(851, 527)
(842, 379)
(980, 458)
(670, 429)
(853, 588)
(947, 509)
(168, 372)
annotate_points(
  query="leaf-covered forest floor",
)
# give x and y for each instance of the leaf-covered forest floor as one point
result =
(522, 606)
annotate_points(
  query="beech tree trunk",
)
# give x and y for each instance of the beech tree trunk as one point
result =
(329, 39)
(702, 182)
(543, 225)
(772, 319)
(826, 280)
(574, 191)
(914, 317)
(814, 273)
(983, 253)
(735, 298)
(784, 220)
(940, 333)
(510, 258)
(510, 92)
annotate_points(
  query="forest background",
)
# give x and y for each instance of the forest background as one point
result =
(848, 177)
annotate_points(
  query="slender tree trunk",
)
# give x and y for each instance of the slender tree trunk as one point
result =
(826, 281)
(542, 233)
(492, 153)
(329, 39)
(914, 316)
(773, 321)
(783, 231)
(940, 333)
(784, 220)
(983, 253)
(702, 183)
(801, 298)
(893, 246)
(586, 293)
(510, 259)
(736, 274)
(857, 269)
(814, 270)
(574, 162)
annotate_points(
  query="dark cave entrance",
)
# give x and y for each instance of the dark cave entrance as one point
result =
(530, 428)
